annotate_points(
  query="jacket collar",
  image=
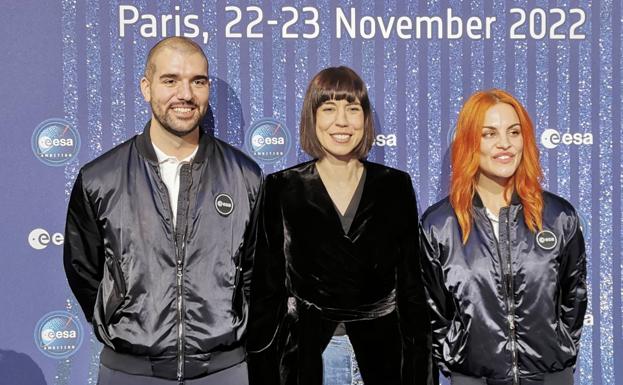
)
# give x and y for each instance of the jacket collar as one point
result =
(146, 148)
(477, 202)
(320, 197)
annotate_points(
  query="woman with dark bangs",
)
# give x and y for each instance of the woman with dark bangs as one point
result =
(336, 251)
(505, 269)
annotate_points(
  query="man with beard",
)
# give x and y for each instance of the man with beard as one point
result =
(160, 235)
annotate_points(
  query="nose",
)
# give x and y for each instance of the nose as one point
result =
(503, 141)
(341, 119)
(184, 91)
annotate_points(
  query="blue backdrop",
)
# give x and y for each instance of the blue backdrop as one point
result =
(70, 72)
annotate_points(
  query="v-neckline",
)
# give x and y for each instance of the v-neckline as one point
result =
(355, 198)
(336, 213)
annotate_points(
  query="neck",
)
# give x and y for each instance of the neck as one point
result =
(340, 169)
(173, 145)
(491, 193)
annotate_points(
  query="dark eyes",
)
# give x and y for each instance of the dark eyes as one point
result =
(492, 133)
(196, 82)
(330, 108)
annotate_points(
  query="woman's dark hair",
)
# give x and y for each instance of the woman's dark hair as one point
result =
(335, 83)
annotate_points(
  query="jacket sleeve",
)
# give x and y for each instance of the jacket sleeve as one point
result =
(268, 305)
(411, 300)
(573, 285)
(442, 306)
(83, 253)
(250, 239)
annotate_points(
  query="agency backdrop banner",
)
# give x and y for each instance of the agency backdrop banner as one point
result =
(70, 72)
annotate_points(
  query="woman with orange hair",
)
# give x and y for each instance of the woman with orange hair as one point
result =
(505, 269)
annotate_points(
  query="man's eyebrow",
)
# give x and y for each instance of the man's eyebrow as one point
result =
(173, 76)
(200, 77)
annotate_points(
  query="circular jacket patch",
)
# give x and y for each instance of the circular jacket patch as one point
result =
(224, 204)
(546, 239)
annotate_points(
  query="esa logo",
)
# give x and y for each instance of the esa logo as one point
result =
(39, 239)
(551, 138)
(546, 239)
(58, 334)
(382, 140)
(55, 142)
(224, 204)
(268, 140)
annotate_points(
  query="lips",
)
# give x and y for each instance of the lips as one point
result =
(341, 137)
(504, 157)
(184, 111)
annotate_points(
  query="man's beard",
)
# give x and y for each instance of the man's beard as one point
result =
(164, 123)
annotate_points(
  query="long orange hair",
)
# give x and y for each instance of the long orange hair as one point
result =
(465, 155)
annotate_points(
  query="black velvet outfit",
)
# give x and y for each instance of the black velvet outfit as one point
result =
(310, 275)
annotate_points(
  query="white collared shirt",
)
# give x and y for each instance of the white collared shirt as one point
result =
(495, 222)
(170, 168)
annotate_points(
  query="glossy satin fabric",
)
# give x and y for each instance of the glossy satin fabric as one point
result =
(369, 273)
(120, 252)
(467, 293)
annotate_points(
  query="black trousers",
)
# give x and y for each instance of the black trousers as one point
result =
(236, 375)
(377, 344)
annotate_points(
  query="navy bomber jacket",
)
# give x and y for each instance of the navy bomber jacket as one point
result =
(508, 310)
(171, 294)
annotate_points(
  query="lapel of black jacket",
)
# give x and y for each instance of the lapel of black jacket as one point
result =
(319, 197)
(367, 203)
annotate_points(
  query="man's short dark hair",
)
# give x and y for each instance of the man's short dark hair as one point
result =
(335, 83)
(180, 43)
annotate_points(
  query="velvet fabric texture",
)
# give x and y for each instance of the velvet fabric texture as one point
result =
(309, 275)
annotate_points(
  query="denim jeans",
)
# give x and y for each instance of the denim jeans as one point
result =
(339, 364)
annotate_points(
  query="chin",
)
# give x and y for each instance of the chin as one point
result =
(180, 131)
(503, 177)
(341, 154)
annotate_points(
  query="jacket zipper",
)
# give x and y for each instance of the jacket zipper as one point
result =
(180, 314)
(179, 274)
(181, 253)
(510, 303)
